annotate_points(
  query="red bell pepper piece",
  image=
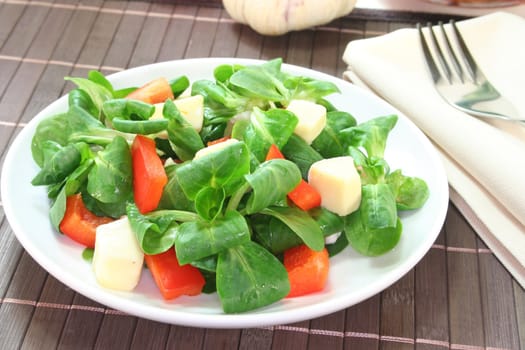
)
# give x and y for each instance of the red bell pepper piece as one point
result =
(149, 176)
(156, 91)
(274, 153)
(307, 270)
(173, 279)
(79, 223)
(304, 196)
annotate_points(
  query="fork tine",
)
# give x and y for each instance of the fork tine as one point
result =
(434, 71)
(469, 61)
(439, 53)
(450, 52)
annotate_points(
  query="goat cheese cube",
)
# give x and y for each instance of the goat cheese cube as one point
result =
(191, 108)
(157, 114)
(118, 258)
(312, 119)
(338, 182)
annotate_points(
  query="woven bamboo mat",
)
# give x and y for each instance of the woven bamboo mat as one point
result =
(458, 297)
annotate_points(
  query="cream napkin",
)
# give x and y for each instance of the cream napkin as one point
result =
(485, 160)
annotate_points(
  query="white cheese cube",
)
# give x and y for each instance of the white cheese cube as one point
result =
(158, 111)
(158, 115)
(118, 259)
(185, 93)
(192, 109)
(338, 183)
(312, 119)
(214, 148)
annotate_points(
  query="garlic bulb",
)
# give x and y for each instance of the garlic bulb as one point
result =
(275, 17)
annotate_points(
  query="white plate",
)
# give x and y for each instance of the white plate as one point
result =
(353, 278)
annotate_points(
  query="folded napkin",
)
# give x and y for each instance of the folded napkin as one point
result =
(484, 160)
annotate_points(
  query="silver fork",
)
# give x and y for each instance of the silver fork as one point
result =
(469, 91)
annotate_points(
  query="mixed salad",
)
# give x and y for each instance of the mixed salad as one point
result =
(243, 185)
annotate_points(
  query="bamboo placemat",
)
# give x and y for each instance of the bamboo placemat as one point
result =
(458, 297)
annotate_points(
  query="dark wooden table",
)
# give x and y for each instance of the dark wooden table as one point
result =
(457, 297)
